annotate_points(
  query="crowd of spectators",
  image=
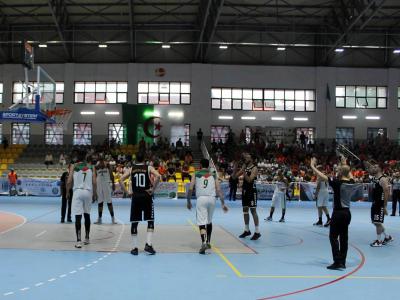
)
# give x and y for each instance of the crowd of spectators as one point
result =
(294, 158)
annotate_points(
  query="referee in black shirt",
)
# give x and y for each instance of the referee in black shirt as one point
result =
(343, 187)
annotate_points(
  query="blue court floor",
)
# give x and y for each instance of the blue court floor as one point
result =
(290, 260)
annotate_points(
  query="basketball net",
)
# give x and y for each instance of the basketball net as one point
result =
(61, 116)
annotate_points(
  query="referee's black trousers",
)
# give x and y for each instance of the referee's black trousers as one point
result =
(339, 234)
(395, 199)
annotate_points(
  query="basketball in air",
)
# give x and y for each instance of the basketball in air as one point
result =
(160, 72)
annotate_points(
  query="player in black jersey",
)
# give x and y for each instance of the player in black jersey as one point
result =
(249, 195)
(142, 200)
(380, 195)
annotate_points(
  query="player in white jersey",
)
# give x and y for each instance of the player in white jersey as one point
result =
(105, 186)
(207, 187)
(83, 184)
(279, 197)
(322, 199)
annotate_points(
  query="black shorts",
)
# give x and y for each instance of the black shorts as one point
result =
(377, 214)
(249, 199)
(142, 208)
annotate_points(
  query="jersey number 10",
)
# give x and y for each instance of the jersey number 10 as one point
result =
(140, 180)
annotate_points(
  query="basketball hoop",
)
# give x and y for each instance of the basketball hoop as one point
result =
(61, 116)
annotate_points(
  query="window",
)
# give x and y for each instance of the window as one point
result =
(20, 133)
(53, 134)
(1, 92)
(344, 135)
(373, 133)
(263, 99)
(219, 133)
(309, 132)
(117, 131)
(46, 88)
(101, 92)
(360, 96)
(82, 134)
(180, 132)
(164, 92)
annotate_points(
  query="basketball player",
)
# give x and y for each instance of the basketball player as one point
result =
(380, 195)
(142, 200)
(207, 187)
(279, 196)
(322, 199)
(396, 192)
(343, 186)
(105, 185)
(249, 195)
(83, 184)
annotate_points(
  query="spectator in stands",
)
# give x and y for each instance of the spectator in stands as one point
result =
(303, 140)
(48, 160)
(12, 182)
(213, 146)
(199, 137)
(62, 161)
(171, 172)
(242, 137)
(5, 143)
(185, 172)
(64, 201)
(179, 147)
(172, 148)
(188, 158)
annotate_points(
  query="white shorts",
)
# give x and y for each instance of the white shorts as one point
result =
(81, 202)
(204, 210)
(323, 200)
(103, 192)
(279, 199)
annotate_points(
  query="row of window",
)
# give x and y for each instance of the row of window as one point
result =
(179, 93)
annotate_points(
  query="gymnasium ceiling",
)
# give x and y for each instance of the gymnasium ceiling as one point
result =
(134, 31)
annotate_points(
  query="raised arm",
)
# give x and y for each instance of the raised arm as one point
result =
(252, 176)
(70, 180)
(321, 175)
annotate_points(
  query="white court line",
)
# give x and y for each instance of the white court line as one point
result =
(24, 289)
(39, 284)
(88, 265)
(72, 272)
(8, 294)
(16, 227)
(51, 279)
(81, 268)
(41, 233)
(62, 275)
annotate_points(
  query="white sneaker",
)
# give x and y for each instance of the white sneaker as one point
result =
(98, 222)
(376, 243)
(113, 221)
(86, 242)
(78, 245)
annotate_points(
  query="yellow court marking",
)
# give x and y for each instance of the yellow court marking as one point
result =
(220, 254)
(240, 275)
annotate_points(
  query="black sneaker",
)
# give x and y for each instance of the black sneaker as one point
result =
(255, 236)
(336, 266)
(203, 249)
(319, 223)
(244, 234)
(268, 219)
(62, 221)
(282, 220)
(387, 240)
(376, 243)
(69, 221)
(149, 249)
(328, 223)
(135, 251)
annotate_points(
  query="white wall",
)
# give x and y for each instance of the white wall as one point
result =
(203, 77)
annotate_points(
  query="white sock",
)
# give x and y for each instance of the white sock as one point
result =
(134, 240)
(378, 237)
(257, 229)
(246, 227)
(149, 236)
